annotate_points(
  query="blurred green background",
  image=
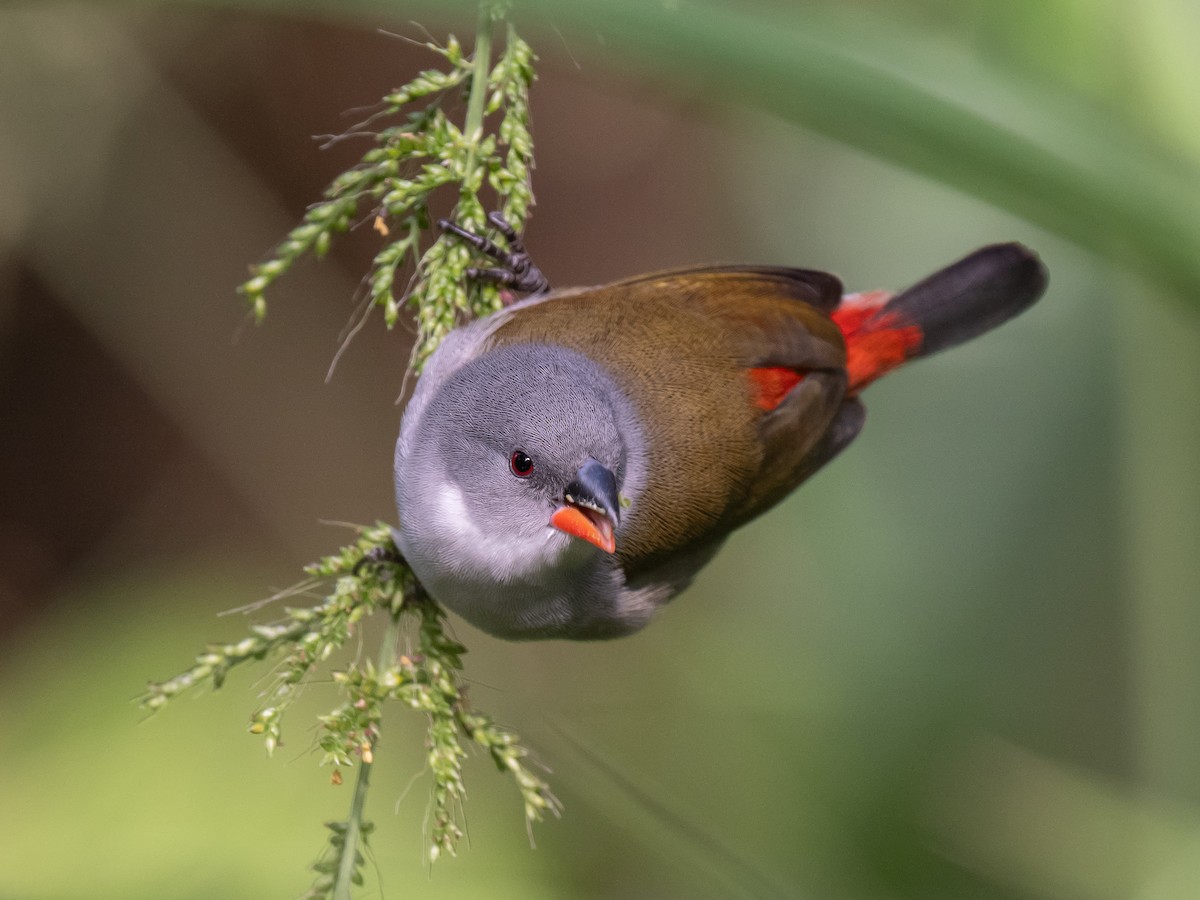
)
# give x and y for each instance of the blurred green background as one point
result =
(963, 662)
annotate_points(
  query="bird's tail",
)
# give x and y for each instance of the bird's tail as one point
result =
(962, 301)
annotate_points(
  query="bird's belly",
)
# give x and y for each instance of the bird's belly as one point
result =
(657, 586)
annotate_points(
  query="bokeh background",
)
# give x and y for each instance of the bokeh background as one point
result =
(963, 662)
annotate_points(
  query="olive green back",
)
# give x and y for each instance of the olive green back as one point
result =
(680, 345)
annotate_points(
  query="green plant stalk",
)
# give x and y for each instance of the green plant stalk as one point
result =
(408, 162)
(473, 127)
(344, 884)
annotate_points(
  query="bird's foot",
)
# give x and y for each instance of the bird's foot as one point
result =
(381, 554)
(515, 270)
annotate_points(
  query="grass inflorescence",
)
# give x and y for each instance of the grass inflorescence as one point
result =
(363, 579)
(422, 153)
(394, 182)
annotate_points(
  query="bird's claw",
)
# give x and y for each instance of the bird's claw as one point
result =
(515, 270)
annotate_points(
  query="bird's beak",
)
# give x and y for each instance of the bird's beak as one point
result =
(591, 508)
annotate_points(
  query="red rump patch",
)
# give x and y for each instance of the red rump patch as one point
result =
(876, 342)
(856, 309)
(772, 384)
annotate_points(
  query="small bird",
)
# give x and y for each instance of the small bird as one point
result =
(568, 464)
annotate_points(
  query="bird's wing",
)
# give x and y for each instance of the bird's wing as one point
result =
(704, 356)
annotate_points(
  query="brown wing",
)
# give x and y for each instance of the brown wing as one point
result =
(819, 289)
(681, 345)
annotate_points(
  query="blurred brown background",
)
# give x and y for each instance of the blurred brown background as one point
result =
(959, 663)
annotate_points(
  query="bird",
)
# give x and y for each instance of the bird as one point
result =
(567, 464)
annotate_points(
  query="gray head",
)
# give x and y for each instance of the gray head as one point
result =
(508, 483)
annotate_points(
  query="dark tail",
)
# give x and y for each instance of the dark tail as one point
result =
(960, 302)
(974, 295)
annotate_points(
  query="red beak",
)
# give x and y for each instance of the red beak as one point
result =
(591, 506)
(590, 525)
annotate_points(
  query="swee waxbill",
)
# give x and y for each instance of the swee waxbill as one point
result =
(567, 464)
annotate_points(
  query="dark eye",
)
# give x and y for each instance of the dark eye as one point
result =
(521, 464)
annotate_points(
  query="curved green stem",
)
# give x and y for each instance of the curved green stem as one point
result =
(344, 882)
(473, 127)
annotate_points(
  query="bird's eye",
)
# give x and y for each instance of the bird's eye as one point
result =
(521, 464)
